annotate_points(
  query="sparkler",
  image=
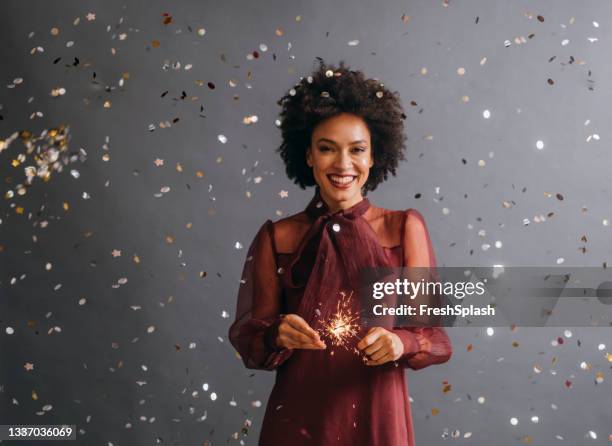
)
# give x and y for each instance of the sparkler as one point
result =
(343, 325)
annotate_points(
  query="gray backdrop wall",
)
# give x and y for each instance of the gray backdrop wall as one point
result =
(117, 292)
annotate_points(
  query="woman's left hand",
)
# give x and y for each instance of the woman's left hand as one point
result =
(381, 346)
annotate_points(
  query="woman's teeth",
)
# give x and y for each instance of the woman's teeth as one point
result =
(341, 180)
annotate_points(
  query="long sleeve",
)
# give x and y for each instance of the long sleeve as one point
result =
(258, 311)
(426, 345)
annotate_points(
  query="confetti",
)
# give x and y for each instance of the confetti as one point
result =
(48, 153)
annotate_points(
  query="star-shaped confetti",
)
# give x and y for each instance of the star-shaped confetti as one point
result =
(116, 253)
(158, 162)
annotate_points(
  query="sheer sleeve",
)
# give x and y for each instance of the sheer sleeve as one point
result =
(427, 345)
(258, 311)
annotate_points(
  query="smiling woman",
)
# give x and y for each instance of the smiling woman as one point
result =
(299, 291)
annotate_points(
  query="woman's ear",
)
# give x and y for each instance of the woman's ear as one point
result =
(309, 157)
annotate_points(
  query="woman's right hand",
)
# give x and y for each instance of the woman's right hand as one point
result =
(294, 332)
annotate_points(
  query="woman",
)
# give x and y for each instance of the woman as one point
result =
(344, 134)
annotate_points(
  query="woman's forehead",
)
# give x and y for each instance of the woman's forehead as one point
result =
(345, 128)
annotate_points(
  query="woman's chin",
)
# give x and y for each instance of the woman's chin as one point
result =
(338, 195)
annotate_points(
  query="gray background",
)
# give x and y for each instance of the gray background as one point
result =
(91, 372)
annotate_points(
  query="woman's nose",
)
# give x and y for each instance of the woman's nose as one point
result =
(343, 160)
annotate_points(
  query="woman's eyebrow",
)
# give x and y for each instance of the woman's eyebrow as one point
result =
(359, 141)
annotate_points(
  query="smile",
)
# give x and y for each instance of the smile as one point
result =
(341, 181)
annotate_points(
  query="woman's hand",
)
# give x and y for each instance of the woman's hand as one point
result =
(294, 332)
(381, 346)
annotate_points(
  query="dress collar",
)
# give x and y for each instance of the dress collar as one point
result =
(317, 208)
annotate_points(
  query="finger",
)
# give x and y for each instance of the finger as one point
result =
(312, 347)
(388, 357)
(371, 336)
(297, 323)
(382, 352)
(376, 346)
(301, 345)
(308, 343)
(300, 340)
(297, 336)
(364, 342)
(300, 324)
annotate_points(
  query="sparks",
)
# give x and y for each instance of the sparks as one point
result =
(343, 325)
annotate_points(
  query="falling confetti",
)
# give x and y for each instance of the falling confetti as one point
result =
(44, 155)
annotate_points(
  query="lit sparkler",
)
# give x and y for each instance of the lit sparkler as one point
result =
(343, 325)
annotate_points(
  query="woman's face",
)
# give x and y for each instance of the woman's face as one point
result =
(340, 155)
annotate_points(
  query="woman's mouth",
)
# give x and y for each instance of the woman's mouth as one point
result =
(341, 181)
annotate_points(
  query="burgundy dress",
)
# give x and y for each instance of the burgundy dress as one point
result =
(299, 265)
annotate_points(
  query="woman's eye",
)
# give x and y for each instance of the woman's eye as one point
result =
(324, 148)
(359, 149)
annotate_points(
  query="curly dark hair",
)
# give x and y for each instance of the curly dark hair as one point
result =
(327, 92)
